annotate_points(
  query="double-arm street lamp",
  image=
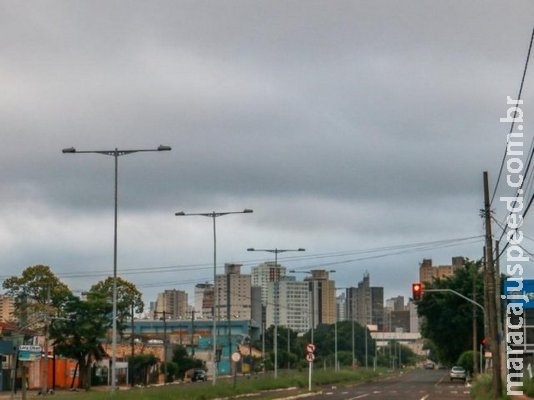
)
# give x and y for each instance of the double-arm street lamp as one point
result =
(276, 300)
(213, 215)
(115, 154)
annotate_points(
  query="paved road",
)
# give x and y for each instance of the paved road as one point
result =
(416, 385)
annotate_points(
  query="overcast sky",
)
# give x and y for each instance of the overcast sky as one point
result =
(358, 130)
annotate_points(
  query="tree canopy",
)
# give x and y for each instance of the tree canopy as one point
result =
(129, 298)
(448, 318)
(76, 325)
(38, 295)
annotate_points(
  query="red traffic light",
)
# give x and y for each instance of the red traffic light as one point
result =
(417, 291)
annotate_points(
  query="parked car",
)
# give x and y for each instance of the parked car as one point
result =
(199, 375)
(457, 373)
(429, 365)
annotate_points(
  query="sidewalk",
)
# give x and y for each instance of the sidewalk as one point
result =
(35, 394)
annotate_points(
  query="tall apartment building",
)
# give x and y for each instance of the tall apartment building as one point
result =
(173, 303)
(365, 304)
(323, 291)
(7, 307)
(204, 301)
(395, 303)
(234, 293)
(289, 304)
(341, 307)
(265, 273)
(428, 272)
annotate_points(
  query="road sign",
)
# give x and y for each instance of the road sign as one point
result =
(30, 348)
(29, 356)
(29, 352)
(310, 347)
(236, 357)
(310, 357)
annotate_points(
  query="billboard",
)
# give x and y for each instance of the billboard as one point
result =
(519, 287)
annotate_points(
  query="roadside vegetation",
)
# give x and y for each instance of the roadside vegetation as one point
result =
(482, 388)
(296, 382)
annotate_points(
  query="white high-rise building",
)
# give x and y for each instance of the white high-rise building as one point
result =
(341, 307)
(292, 301)
(265, 273)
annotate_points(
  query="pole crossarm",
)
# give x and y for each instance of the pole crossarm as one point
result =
(115, 152)
(213, 214)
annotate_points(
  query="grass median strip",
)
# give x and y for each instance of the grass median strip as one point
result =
(262, 385)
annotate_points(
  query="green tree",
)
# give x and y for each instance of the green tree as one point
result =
(143, 365)
(466, 360)
(324, 338)
(79, 332)
(447, 318)
(38, 295)
(129, 299)
(184, 361)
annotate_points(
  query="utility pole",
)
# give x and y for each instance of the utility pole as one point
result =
(193, 333)
(228, 329)
(165, 347)
(475, 340)
(491, 293)
(132, 343)
(164, 319)
(44, 386)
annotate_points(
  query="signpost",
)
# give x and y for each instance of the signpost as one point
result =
(236, 357)
(310, 356)
(27, 353)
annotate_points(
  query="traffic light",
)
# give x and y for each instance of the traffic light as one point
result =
(417, 291)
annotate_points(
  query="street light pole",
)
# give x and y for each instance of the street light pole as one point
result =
(116, 153)
(213, 215)
(276, 300)
(353, 342)
(335, 344)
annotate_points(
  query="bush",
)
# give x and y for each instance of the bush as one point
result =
(466, 360)
(528, 387)
(481, 388)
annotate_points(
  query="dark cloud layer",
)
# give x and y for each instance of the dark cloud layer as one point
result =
(345, 126)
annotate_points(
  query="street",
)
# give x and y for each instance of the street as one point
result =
(416, 385)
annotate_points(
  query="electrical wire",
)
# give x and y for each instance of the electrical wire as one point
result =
(525, 68)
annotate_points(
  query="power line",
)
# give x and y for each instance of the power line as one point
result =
(513, 122)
